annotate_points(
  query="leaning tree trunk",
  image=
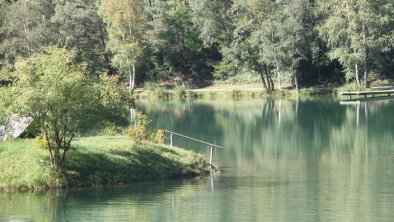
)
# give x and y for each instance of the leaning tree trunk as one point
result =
(263, 80)
(269, 78)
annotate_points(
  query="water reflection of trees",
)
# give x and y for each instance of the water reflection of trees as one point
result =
(321, 157)
(279, 127)
(292, 160)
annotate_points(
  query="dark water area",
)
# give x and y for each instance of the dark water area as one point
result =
(283, 160)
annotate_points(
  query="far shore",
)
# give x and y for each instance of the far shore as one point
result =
(247, 91)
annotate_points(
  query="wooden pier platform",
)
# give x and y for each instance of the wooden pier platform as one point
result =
(368, 93)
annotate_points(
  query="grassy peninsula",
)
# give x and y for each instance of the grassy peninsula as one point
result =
(93, 161)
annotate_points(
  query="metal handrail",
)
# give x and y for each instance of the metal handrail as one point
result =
(212, 146)
(190, 138)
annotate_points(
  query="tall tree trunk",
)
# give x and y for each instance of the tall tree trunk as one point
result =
(296, 83)
(365, 58)
(130, 80)
(279, 77)
(365, 75)
(357, 77)
(133, 83)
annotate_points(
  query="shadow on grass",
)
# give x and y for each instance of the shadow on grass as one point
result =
(125, 166)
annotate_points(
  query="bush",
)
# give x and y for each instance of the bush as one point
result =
(109, 129)
(139, 131)
(182, 91)
(161, 93)
(41, 142)
(352, 87)
(139, 119)
(159, 136)
(151, 86)
(236, 94)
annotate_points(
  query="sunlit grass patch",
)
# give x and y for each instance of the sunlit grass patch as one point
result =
(95, 161)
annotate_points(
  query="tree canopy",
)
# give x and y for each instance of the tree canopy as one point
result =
(61, 97)
(301, 42)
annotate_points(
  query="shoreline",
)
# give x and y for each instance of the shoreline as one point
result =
(232, 93)
(96, 161)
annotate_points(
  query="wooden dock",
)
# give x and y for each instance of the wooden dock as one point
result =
(368, 93)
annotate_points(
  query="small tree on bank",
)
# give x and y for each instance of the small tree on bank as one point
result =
(61, 98)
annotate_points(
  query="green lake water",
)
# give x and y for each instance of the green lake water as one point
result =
(283, 160)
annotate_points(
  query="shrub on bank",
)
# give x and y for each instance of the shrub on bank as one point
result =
(139, 132)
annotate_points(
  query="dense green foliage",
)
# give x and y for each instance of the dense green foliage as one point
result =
(302, 42)
(54, 90)
(95, 161)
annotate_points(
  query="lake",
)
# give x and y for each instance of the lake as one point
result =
(283, 160)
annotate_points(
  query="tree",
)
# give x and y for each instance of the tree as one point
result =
(354, 31)
(56, 92)
(174, 41)
(245, 46)
(213, 19)
(26, 28)
(126, 25)
(78, 26)
(263, 37)
(296, 32)
(3, 9)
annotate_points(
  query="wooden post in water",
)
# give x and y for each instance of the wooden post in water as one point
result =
(211, 156)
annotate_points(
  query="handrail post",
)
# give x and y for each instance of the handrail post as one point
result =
(210, 145)
(211, 156)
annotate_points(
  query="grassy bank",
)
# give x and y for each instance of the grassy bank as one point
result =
(95, 161)
(248, 91)
(241, 93)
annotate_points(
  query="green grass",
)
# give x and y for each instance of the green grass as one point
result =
(95, 161)
(22, 166)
